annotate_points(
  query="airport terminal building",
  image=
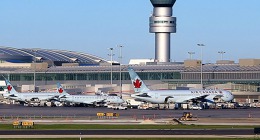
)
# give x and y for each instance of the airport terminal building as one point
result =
(86, 73)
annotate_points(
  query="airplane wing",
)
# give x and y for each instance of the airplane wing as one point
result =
(13, 95)
(199, 98)
(44, 98)
(94, 101)
(144, 95)
(191, 98)
(62, 96)
(88, 102)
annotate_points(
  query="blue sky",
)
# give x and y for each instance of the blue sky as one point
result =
(92, 26)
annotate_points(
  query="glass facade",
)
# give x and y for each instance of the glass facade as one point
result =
(92, 76)
(235, 80)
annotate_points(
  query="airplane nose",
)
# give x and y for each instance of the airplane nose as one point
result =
(230, 96)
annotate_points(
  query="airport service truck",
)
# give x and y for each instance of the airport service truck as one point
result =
(117, 106)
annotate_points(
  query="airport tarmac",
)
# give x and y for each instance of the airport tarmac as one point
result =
(250, 116)
(77, 112)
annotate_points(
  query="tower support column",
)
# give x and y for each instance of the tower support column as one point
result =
(162, 49)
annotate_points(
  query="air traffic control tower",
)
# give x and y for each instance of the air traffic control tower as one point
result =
(162, 24)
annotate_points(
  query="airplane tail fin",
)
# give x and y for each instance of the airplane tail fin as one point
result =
(61, 90)
(137, 82)
(10, 87)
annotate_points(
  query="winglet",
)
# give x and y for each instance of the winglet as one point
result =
(137, 82)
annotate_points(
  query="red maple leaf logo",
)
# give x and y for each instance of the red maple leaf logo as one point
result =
(60, 90)
(137, 83)
(9, 88)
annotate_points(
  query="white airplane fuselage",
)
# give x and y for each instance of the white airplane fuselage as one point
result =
(181, 96)
(26, 97)
(90, 99)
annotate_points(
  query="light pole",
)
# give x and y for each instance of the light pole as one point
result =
(221, 54)
(34, 73)
(191, 53)
(120, 73)
(111, 61)
(201, 58)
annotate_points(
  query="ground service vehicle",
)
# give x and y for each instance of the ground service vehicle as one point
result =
(187, 116)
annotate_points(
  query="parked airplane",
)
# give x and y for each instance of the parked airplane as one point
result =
(175, 96)
(29, 97)
(88, 99)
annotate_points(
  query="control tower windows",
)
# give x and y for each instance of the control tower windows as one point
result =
(161, 21)
(166, 22)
